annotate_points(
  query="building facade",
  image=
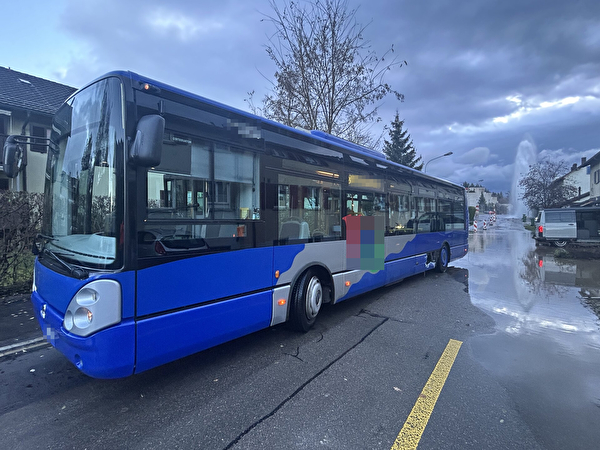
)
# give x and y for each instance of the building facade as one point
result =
(579, 178)
(474, 195)
(594, 179)
(27, 104)
(585, 178)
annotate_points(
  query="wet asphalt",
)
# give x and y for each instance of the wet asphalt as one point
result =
(546, 349)
(17, 322)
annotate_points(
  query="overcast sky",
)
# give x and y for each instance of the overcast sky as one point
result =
(484, 77)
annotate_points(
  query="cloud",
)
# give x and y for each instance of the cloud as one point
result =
(480, 74)
(184, 27)
(568, 155)
(475, 156)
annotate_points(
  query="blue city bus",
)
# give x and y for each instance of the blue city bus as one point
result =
(173, 223)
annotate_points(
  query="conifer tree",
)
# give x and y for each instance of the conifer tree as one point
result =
(400, 147)
(482, 203)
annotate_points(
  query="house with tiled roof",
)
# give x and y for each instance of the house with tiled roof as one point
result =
(585, 179)
(27, 104)
(594, 165)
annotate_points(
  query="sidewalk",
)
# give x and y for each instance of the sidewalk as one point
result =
(17, 322)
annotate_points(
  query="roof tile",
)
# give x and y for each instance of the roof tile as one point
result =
(21, 90)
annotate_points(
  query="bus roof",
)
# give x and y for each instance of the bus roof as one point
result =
(322, 137)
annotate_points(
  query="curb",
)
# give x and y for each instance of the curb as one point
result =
(23, 347)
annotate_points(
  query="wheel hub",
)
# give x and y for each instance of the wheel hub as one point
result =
(314, 298)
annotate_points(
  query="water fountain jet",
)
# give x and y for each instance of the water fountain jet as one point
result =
(526, 156)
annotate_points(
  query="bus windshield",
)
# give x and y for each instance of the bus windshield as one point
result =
(83, 209)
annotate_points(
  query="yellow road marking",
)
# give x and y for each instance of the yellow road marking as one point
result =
(413, 428)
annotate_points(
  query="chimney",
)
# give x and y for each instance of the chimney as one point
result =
(574, 167)
(583, 160)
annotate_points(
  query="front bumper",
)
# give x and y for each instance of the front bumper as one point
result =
(109, 353)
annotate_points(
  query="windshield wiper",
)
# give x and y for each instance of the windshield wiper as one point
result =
(77, 272)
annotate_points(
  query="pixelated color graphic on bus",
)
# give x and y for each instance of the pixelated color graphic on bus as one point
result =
(365, 247)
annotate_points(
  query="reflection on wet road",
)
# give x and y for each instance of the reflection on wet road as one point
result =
(546, 350)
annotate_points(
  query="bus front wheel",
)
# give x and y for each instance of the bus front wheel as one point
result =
(443, 258)
(307, 300)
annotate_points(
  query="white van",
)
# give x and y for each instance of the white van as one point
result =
(560, 226)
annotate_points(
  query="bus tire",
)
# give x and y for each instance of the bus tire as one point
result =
(307, 300)
(443, 259)
(560, 244)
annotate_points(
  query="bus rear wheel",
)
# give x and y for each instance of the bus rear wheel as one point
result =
(560, 244)
(307, 300)
(443, 258)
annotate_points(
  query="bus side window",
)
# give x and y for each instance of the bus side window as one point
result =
(236, 190)
(203, 196)
(307, 209)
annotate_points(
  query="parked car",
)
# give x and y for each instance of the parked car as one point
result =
(560, 226)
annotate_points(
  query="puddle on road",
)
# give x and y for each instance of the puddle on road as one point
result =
(546, 350)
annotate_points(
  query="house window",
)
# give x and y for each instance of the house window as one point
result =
(38, 143)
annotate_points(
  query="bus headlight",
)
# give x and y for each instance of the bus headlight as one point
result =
(83, 318)
(97, 305)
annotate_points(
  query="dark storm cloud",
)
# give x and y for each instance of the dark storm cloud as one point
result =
(466, 58)
(479, 72)
(211, 48)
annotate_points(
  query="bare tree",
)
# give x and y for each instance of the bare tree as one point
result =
(328, 78)
(541, 187)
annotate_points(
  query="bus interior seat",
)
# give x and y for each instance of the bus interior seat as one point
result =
(293, 229)
(318, 234)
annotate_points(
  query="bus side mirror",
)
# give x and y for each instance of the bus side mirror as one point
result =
(13, 157)
(146, 149)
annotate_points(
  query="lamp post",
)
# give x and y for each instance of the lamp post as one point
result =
(437, 157)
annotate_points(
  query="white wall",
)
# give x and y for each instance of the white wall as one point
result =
(579, 178)
(474, 194)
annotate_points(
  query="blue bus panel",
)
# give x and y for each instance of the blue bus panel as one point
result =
(172, 336)
(192, 281)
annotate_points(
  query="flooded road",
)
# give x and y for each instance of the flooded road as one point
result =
(546, 348)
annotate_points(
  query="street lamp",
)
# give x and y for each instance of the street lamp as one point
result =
(437, 157)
